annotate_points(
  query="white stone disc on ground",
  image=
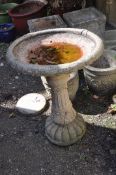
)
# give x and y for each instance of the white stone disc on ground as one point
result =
(32, 103)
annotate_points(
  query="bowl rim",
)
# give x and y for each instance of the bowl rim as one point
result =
(104, 70)
(60, 68)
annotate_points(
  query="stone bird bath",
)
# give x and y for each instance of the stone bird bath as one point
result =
(65, 126)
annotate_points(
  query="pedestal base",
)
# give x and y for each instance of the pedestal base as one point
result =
(64, 135)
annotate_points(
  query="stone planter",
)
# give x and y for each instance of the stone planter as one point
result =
(88, 18)
(54, 21)
(21, 13)
(65, 126)
(110, 39)
(101, 75)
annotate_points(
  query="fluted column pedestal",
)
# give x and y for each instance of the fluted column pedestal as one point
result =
(65, 126)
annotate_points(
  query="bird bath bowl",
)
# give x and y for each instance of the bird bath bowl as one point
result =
(65, 126)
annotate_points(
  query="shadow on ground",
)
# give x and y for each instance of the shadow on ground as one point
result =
(25, 150)
(85, 102)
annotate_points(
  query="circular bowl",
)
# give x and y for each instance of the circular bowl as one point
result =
(7, 32)
(91, 45)
(101, 75)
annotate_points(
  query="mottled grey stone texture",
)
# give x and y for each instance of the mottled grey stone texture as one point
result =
(88, 18)
(101, 75)
(110, 39)
(38, 24)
